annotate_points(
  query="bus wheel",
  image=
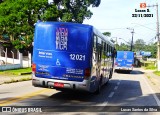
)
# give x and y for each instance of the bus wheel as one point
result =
(129, 71)
(110, 74)
(106, 83)
(99, 86)
(98, 89)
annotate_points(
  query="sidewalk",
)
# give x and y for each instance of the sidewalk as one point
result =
(154, 79)
(150, 74)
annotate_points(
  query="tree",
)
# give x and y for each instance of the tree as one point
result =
(18, 17)
(107, 34)
(71, 10)
(152, 47)
(139, 45)
(123, 47)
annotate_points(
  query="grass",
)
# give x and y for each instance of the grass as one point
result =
(150, 66)
(149, 77)
(15, 75)
(15, 72)
(157, 73)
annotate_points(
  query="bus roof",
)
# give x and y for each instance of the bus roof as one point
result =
(105, 38)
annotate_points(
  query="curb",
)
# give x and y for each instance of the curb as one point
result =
(7, 80)
(26, 73)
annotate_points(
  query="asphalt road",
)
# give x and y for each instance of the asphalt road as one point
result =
(124, 92)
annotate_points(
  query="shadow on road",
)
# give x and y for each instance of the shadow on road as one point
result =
(84, 98)
(129, 94)
(133, 72)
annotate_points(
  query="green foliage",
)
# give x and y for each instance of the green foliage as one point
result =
(5, 45)
(152, 47)
(18, 17)
(107, 34)
(157, 73)
(15, 71)
(150, 66)
(140, 45)
(123, 47)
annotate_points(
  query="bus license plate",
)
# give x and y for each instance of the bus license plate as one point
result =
(56, 84)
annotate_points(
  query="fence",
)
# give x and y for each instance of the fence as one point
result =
(9, 63)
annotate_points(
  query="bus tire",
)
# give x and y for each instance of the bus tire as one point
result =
(115, 71)
(99, 87)
(106, 82)
(110, 74)
(129, 71)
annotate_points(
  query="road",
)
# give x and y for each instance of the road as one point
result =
(122, 91)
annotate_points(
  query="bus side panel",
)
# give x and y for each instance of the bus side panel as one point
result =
(102, 64)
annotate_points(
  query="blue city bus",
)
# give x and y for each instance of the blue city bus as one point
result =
(124, 61)
(71, 56)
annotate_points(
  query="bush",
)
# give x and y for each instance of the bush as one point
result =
(151, 67)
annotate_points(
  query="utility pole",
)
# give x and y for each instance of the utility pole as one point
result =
(132, 40)
(158, 42)
(132, 37)
(158, 39)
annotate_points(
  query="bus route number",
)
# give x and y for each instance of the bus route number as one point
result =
(77, 57)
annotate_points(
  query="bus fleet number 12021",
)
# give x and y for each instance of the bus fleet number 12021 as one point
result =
(77, 57)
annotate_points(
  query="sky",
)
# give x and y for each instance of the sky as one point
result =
(115, 16)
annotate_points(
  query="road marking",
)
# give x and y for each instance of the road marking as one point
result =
(102, 104)
(153, 93)
(111, 94)
(116, 87)
(23, 97)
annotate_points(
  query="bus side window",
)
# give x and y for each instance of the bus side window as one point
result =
(104, 52)
(95, 42)
(105, 47)
(94, 48)
(108, 50)
(98, 49)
